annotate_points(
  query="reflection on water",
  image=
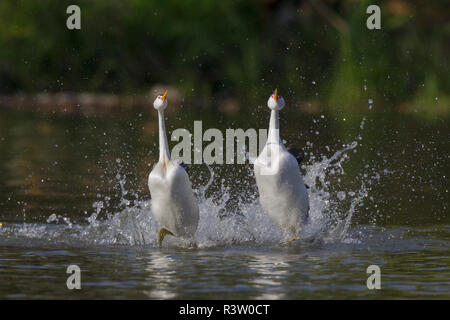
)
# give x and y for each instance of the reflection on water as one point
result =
(415, 267)
(270, 274)
(162, 275)
(73, 191)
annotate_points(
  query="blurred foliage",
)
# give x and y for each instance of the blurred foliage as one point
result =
(232, 48)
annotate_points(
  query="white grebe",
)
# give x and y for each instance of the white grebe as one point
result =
(173, 203)
(283, 195)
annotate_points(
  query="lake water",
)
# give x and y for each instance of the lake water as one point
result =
(73, 191)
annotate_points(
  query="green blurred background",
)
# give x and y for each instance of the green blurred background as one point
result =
(317, 52)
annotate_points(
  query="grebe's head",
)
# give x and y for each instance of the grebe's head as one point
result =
(276, 102)
(160, 102)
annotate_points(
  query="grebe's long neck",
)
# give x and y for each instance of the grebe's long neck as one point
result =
(164, 154)
(274, 128)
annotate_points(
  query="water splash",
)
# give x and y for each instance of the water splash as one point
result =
(132, 223)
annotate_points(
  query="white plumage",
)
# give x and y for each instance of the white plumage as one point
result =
(173, 202)
(283, 195)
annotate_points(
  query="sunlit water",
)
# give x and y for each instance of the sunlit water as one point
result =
(73, 191)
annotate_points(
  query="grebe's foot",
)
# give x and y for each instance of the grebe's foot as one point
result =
(293, 239)
(161, 234)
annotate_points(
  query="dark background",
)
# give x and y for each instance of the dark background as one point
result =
(317, 52)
